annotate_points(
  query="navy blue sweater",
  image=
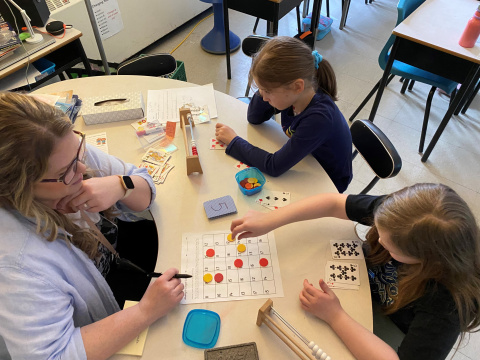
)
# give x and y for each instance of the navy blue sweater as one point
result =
(320, 130)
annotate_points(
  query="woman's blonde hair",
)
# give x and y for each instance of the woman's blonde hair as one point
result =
(29, 130)
(432, 223)
(284, 59)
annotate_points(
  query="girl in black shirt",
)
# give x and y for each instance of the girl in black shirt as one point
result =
(423, 255)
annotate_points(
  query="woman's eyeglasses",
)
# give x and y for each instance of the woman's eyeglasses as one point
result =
(69, 174)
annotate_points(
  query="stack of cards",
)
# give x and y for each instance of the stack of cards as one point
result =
(217, 145)
(156, 162)
(273, 200)
(344, 274)
(148, 139)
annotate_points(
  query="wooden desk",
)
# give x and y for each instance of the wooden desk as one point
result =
(64, 53)
(302, 248)
(428, 39)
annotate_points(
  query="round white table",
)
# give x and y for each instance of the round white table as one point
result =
(303, 248)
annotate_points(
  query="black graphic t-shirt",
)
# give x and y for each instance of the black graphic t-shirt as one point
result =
(109, 229)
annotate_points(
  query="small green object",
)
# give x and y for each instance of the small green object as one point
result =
(23, 36)
(179, 73)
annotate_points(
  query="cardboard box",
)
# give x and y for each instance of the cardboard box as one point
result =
(113, 107)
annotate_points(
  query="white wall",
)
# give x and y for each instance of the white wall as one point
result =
(145, 21)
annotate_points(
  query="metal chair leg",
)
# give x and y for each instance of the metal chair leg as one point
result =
(410, 87)
(306, 5)
(255, 26)
(425, 118)
(247, 91)
(369, 96)
(404, 86)
(370, 186)
(299, 24)
(470, 99)
(328, 8)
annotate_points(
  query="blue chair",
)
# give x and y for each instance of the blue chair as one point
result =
(410, 73)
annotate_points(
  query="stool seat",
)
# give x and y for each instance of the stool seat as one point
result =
(214, 41)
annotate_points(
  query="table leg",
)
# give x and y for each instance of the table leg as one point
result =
(83, 56)
(317, 6)
(272, 26)
(468, 85)
(306, 5)
(226, 27)
(383, 82)
(345, 7)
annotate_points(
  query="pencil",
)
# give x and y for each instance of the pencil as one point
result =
(176, 276)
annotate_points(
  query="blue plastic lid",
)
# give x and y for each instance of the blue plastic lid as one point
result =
(201, 329)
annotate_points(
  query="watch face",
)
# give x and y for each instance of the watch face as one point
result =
(128, 182)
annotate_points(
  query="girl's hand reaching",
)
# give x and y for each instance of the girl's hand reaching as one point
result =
(323, 303)
(224, 133)
(253, 224)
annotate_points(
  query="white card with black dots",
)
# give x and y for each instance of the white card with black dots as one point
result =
(346, 249)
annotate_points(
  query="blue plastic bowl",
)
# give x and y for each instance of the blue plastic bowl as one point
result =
(251, 172)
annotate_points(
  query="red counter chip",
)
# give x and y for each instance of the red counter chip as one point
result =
(210, 252)
(218, 277)
(263, 262)
(238, 263)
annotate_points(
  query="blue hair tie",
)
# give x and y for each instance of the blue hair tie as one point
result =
(317, 58)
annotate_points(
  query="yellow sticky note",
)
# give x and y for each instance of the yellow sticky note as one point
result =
(134, 347)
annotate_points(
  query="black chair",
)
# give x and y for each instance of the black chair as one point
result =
(299, 24)
(250, 46)
(160, 65)
(376, 149)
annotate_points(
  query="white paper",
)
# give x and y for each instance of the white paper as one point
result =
(108, 17)
(99, 141)
(251, 281)
(164, 105)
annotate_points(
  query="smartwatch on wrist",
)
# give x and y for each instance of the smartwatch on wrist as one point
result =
(127, 184)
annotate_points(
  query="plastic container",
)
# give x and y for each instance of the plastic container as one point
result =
(201, 329)
(45, 67)
(472, 31)
(251, 172)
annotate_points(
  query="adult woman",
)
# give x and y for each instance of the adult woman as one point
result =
(423, 256)
(54, 301)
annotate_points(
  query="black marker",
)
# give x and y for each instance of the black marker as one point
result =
(176, 276)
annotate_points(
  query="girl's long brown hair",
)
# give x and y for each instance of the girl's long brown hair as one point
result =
(283, 60)
(29, 130)
(431, 222)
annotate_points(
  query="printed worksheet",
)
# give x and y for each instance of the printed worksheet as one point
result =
(226, 269)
